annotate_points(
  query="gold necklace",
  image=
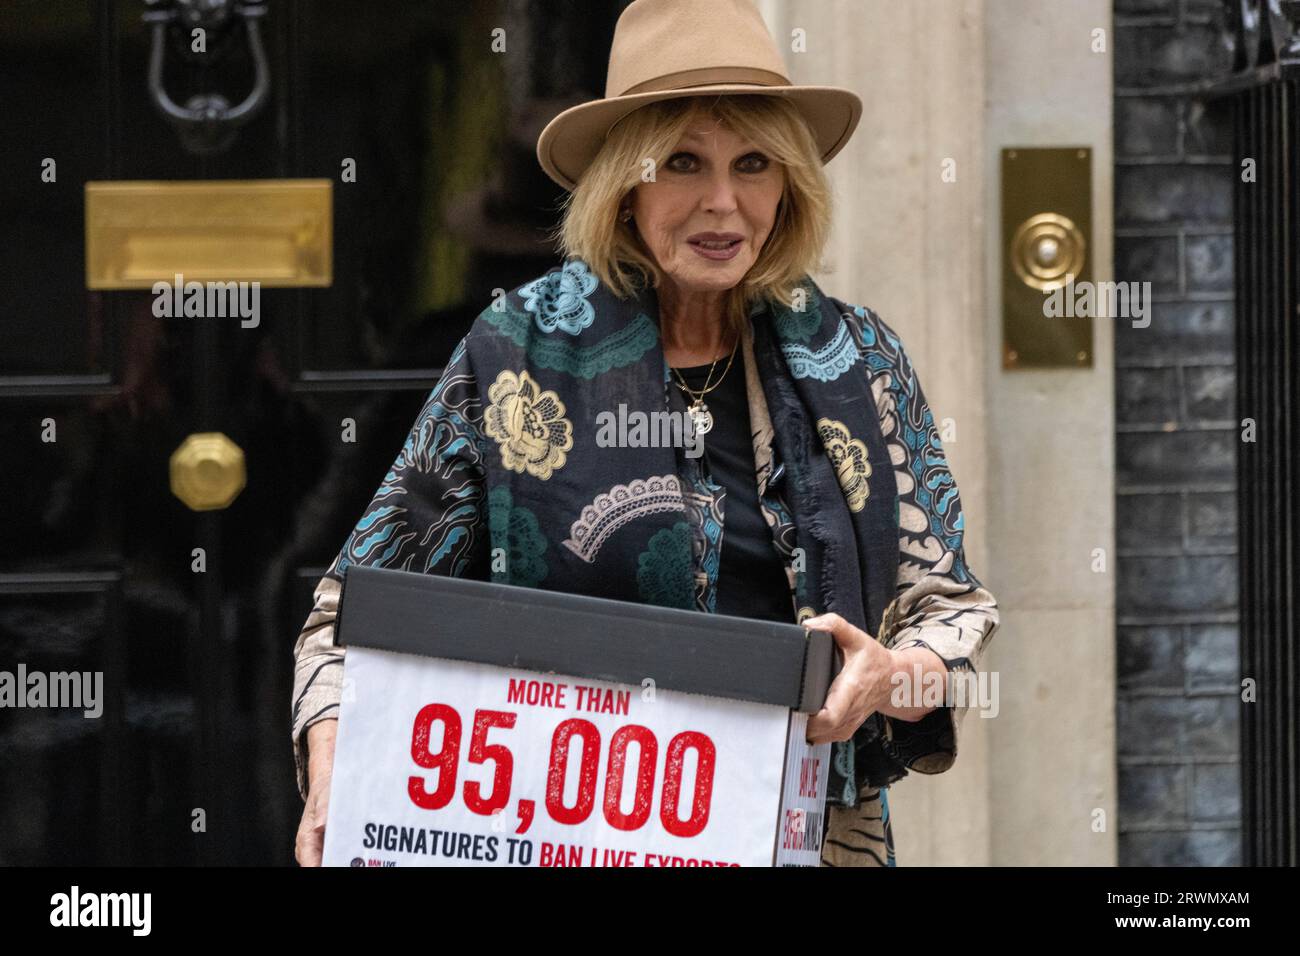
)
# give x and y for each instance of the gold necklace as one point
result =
(699, 412)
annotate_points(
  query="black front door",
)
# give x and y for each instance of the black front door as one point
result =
(417, 118)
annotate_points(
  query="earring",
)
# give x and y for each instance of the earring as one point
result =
(625, 215)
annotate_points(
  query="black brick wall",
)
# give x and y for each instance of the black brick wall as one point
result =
(1176, 443)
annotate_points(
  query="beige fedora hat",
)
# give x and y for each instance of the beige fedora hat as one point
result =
(668, 49)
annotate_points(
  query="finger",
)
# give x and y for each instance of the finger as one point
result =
(309, 847)
(843, 700)
(842, 632)
(825, 622)
(825, 725)
(319, 814)
(319, 802)
(818, 724)
(833, 734)
(834, 622)
(840, 698)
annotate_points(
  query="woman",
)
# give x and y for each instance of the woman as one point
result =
(821, 495)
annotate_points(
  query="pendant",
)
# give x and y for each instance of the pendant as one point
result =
(702, 417)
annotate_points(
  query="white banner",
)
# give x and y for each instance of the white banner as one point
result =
(446, 763)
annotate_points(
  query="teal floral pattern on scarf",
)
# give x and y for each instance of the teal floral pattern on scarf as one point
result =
(558, 300)
(617, 350)
(798, 325)
(659, 575)
(516, 533)
(827, 363)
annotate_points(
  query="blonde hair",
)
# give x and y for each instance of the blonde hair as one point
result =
(590, 228)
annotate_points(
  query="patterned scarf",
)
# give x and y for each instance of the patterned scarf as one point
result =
(587, 492)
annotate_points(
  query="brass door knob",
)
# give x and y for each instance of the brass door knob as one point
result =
(207, 471)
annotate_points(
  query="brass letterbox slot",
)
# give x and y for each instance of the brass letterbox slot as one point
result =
(278, 232)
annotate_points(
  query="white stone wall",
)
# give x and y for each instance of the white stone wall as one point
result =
(1033, 455)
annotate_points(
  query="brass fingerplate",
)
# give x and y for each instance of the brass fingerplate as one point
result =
(1046, 240)
(279, 232)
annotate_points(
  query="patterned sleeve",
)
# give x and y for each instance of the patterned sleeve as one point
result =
(939, 604)
(425, 516)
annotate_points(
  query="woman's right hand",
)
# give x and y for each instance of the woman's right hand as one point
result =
(310, 843)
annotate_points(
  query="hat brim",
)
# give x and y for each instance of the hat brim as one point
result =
(571, 141)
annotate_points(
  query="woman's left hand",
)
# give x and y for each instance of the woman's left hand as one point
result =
(860, 689)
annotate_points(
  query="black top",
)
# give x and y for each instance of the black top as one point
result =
(751, 576)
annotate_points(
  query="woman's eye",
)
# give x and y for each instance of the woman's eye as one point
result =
(689, 162)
